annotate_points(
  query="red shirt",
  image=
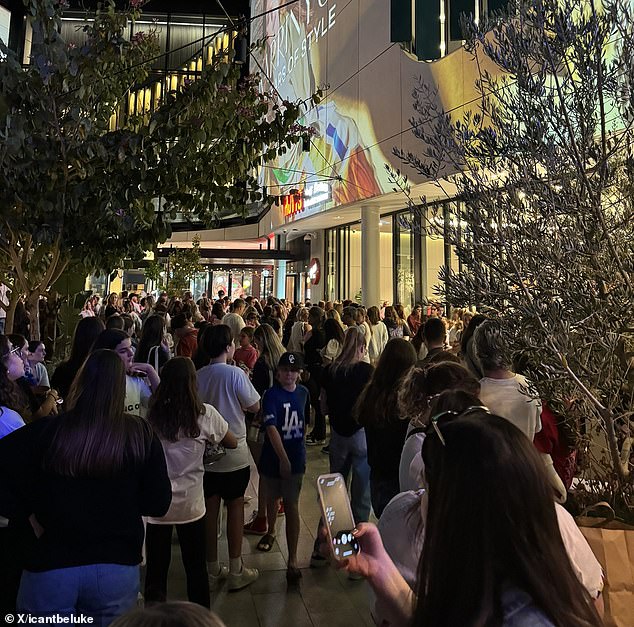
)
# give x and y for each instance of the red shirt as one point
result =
(247, 356)
(188, 339)
(548, 441)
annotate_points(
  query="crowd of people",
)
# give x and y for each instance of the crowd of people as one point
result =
(163, 406)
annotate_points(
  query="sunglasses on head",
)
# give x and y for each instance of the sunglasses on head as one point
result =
(433, 421)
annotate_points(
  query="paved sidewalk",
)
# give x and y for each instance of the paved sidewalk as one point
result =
(324, 597)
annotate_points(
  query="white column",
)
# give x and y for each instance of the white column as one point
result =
(370, 253)
(279, 277)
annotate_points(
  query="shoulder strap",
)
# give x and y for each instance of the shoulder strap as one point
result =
(156, 357)
(414, 431)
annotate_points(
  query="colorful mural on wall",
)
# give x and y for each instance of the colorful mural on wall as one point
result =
(304, 43)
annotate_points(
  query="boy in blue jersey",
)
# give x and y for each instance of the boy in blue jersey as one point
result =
(283, 459)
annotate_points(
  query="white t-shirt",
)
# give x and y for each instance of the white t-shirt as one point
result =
(508, 398)
(411, 465)
(185, 469)
(9, 421)
(229, 390)
(137, 396)
(377, 341)
(297, 335)
(40, 375)
(402, 529)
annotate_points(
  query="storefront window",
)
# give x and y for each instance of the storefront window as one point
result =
(404, 256)
(220, 282)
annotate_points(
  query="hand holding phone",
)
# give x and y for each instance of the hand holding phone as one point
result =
(337, 515)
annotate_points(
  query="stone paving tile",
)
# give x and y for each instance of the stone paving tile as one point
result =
(339, 618)
(281, 609)
(323, 598)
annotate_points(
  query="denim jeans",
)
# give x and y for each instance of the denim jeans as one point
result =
(351, 453)
(103, 591)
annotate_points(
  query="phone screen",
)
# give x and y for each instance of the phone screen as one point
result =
(337, 514)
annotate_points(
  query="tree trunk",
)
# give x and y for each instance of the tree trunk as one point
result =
(33, 309)
(13, 302)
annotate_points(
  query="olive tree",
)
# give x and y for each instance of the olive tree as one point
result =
(544, 228)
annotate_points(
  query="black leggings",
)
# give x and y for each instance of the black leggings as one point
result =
(314, 390)
(158, 546)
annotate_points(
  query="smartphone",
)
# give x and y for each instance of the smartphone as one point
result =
(337, 514)
(59, 401)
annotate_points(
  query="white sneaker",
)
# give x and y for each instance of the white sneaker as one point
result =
(242, 579)
(215, 581)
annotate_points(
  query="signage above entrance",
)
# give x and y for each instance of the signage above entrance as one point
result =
(292, 204)
(298, 201)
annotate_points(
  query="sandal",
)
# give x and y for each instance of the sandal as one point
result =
(266, 543)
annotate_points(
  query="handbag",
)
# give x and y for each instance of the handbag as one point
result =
(213, 452)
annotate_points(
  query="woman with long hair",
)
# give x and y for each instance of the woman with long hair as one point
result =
(343, 383)
(377, 412)
(291, 319)
(268, 344)
(153, 348)
(112, 305)
(86, 333)
(419, 386)
(379, 335)
(491, 518)
(141, 379)
(314, 341)
(396, 326)
(84, 479)
(334, 340)
(217, 312)
(11, 399)
(298, 331)
(415, 319)
(467, 347)
(184, 424)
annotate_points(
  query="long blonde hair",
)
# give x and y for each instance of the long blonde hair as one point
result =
(269, 345)
(353, 340)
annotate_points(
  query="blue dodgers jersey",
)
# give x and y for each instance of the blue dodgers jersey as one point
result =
(284, 410)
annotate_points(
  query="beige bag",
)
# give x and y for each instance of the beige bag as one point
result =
(612, 543)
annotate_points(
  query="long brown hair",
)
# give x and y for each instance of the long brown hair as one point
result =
(486, 466)
(377, 405)
(353, 340)
(176, 406)
(95, 438)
